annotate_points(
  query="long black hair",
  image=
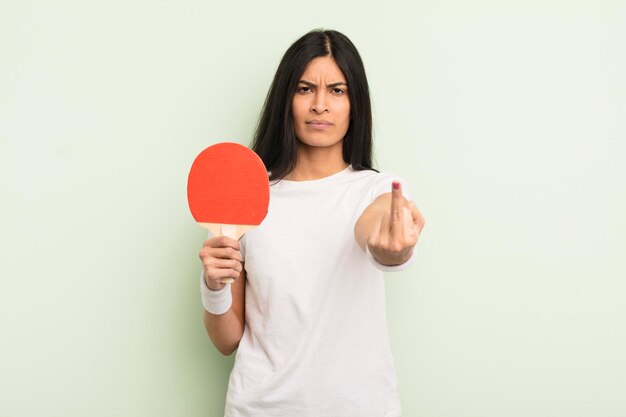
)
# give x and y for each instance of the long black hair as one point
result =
(275, 137)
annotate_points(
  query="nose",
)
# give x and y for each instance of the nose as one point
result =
(319, 104)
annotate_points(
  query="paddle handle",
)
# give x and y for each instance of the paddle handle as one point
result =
(233, 231)
(230, 231)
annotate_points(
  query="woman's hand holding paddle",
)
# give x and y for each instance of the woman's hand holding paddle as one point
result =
(221, 259)
(392, 242)
(228, 193)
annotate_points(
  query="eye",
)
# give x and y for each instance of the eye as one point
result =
(338, 91)
(303, 89)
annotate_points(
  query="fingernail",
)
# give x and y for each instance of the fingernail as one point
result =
(395, 185)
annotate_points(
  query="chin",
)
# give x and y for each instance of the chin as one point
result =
(320, 142)
(319, 139)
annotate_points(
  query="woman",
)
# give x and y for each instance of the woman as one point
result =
(306, 311)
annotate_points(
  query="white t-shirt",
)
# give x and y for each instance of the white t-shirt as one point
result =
(315, 342)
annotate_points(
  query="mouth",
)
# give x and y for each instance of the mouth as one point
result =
(319, 124)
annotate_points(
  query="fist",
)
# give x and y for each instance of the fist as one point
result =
(221, 261)
(393, 240)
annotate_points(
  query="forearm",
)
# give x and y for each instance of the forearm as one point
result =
(224, 315)
(224, 330)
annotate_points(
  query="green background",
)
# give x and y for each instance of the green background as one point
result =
(508, 119)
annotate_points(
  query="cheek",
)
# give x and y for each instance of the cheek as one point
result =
(295, 103)
(346, 114)
(298, 109)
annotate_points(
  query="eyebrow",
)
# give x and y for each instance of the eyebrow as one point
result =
(332, 85)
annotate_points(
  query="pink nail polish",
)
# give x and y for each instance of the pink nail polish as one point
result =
(395, 185)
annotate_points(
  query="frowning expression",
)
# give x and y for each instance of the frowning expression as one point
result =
(321, 107)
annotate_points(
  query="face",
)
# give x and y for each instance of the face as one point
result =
(321, 107)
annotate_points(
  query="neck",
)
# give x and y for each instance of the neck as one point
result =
(314, 163)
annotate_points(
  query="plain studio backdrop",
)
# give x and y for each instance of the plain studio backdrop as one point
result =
(507, 119)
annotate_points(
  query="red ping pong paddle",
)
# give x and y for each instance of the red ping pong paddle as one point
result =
(228, 190)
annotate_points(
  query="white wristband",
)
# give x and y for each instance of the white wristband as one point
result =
(215, 302)
(390, 268)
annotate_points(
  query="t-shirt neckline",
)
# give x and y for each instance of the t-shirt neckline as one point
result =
(310, 183)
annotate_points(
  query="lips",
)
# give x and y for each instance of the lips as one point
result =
(319, 124)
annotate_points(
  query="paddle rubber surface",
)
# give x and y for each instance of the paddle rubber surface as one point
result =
(228, 184)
